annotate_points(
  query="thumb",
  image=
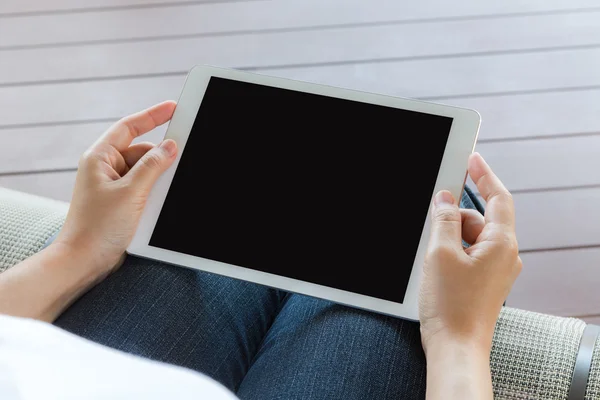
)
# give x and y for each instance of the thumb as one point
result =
(446, 225)
(151, 165)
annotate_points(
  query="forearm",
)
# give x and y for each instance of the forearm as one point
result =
(45, 284)
(458, 371)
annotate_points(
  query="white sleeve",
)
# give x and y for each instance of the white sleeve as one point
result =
(41, 361)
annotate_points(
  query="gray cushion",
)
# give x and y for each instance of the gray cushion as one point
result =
(26, 223)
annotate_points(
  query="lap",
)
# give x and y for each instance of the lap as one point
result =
(201, 321)
(249, 337)
(256, 341)
(320, 350)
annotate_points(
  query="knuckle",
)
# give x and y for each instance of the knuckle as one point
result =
(127, 122)
(519, 265)
(151, 160)
(506, 243)
(442, 252)
(504, 195)
(126, 185)
(512, 247)
(87, 157)
(134, 191)
(447, 214)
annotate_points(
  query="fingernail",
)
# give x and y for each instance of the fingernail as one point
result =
(443, 197)
(169, 147)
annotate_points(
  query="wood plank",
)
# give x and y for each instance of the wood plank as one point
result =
(573, 111)
(558, 219)
(53, 147)
(594, 320)
(20, 6)
(57, 185)
(522, 165)
(305, 47)
(91, 100)
(535, 114)
(41, 6)
(449, 77)
(249, 16)
(559, 283)
(544, 163)
(504, 117)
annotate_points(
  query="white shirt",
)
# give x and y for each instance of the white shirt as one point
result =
(41, 361)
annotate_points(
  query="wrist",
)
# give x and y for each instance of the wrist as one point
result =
(444, 345)
(476, 342)
(90, 252)
(458, 369)
(88, 266)
(478, 336)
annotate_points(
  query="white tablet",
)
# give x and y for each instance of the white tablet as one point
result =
(307, 188)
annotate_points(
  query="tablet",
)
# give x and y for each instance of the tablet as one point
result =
(307, 188)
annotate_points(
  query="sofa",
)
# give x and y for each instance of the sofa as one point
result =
(534, 356)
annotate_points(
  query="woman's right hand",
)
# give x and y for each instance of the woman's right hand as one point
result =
(463, 289)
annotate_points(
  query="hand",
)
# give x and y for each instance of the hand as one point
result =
(112, 185)
(463, 289)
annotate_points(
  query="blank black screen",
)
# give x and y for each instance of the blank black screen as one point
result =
(311, 187)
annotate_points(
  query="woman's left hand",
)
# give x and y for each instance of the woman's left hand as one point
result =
(112, 185)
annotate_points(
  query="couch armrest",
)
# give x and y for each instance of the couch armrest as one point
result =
(26, 223)
(533, 355)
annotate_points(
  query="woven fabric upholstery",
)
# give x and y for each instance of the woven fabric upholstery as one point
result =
(26, 222)
(593, 387)
(533, 355)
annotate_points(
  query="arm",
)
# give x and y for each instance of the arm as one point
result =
(111, 188)
(463, 289)
(458, 370)
(43, 285)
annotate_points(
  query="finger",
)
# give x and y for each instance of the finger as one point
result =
(446, 223)
(134, 152)
(152, 164)
(121, 134)
(499, 208)
(472, 225)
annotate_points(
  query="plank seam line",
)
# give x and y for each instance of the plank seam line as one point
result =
(530, 50)
(93, 79)
(560, 248)
(585, 316)
(514, 192)
(556, 189)
(546, 189)
(39, 13)
(60, 123)
(304, 28)
(36, 172)
(538, 137)
(325, 64)
(496, 94)
(512, 93)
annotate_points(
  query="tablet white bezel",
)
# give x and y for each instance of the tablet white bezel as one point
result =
(451, 176)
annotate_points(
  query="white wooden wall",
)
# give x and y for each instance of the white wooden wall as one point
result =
(531, 67)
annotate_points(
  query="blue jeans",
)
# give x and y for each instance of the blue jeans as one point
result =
(261, 343)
